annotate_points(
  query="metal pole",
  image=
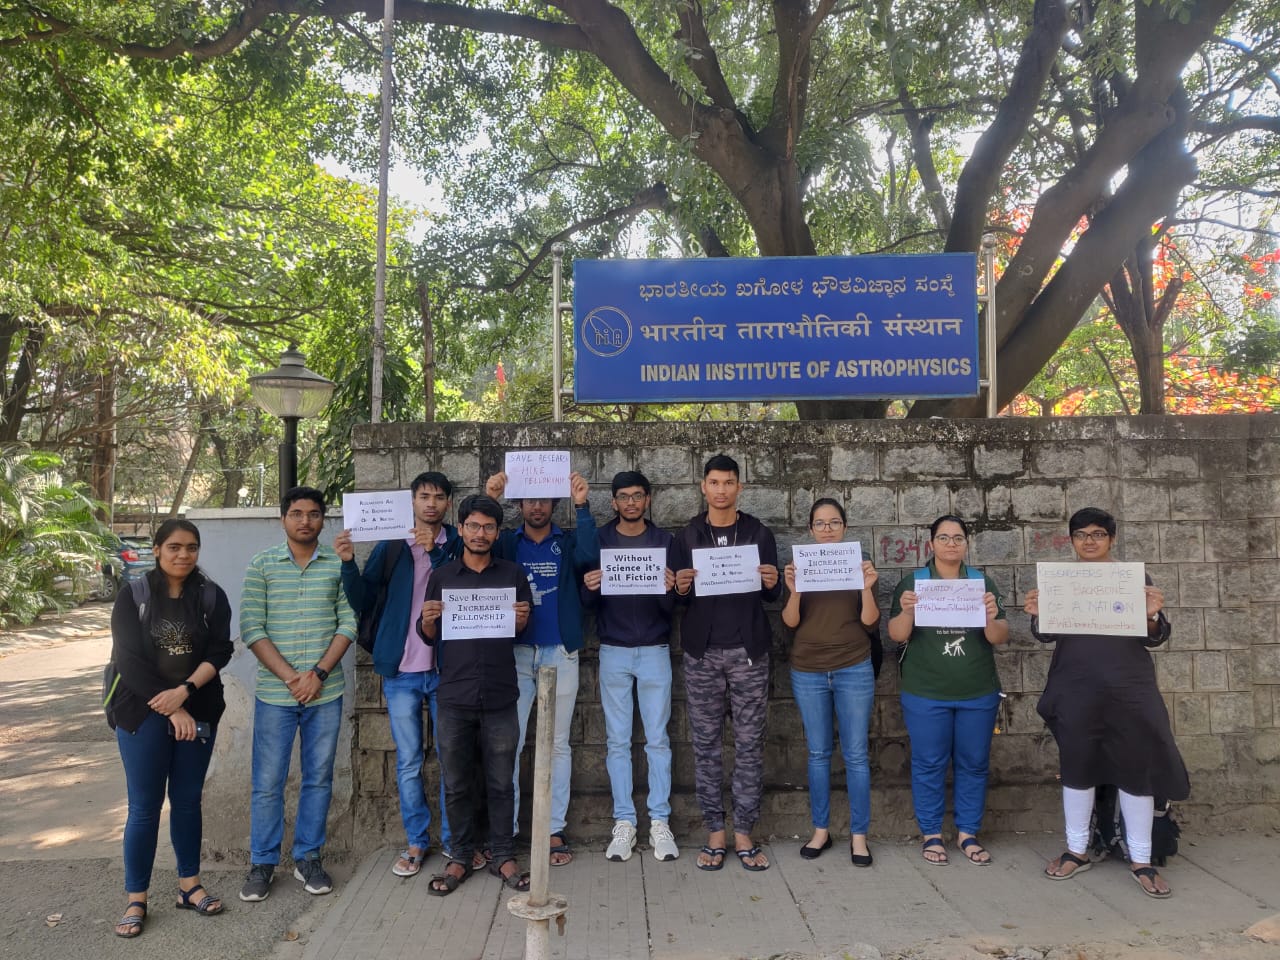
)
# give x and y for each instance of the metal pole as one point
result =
(289, 458)
(557, 345)
(380, 268)
(539, 906)
(989, 269)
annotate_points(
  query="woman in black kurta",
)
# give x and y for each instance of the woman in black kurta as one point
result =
(1105, 710)
(168, 645)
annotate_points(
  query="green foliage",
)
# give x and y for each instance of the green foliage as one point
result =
(47, 534)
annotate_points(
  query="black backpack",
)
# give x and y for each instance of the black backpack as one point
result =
(142, 600)
(367, 627)
(1108, 828)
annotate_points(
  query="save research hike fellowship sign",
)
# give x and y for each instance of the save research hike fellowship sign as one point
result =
(775, 328)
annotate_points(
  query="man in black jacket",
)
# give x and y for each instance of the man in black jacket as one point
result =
(635, 636)
(726, 640)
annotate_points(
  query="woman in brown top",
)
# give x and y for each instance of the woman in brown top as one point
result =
(831, 668)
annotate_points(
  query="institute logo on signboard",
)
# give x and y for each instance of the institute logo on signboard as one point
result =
(606, 331)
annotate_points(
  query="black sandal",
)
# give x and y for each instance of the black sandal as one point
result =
(717, 859)
(204, 906)
(968, 842)
(1151, 874)
(937, 846)
(450, 881)
(515, 880)
(133, 924)
(1081, 865)
(563, 849)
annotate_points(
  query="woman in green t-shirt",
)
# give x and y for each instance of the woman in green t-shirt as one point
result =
(950, 693)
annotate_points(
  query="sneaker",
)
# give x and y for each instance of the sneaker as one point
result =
(663, 841)
(258, 885)
(623, 842)
(312, 874)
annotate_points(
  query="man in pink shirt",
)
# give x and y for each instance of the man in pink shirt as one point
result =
(391, 589)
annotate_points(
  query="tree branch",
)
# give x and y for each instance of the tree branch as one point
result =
(701, 56)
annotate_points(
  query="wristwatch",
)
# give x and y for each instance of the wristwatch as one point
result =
(320, 673)
(191, 688)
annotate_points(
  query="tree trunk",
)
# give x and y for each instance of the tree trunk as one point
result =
(13, 395)
(103, 468)
(428, 354)
(197, 447)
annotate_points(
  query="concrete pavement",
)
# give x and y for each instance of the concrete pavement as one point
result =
(62, 809)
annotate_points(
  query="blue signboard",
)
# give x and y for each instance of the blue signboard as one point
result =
(775, 328)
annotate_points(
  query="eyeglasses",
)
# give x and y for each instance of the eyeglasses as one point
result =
(825, 525)
(630, 497)
(1097, 536)
(958, 539)
(480, 527)
(296, 515)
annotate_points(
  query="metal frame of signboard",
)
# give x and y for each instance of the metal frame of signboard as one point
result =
(559, 307)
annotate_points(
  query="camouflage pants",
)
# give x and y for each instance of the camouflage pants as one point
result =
(722, 683)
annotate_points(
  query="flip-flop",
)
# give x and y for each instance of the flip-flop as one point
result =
(968, 842)
(715, 864)
(745, 855)
(1150, 873)
(414, 864)
(1081, 865)
(942, 849)
(205, 906)
(562, 849)
(134, 925)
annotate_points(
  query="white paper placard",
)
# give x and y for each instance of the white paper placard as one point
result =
(827, 566)
(378, 514)
(950, 603)
(1105, 599)
(537, 473)
(637, 572)
(724, 570)
(486, 613)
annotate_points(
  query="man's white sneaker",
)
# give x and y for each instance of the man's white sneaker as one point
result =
(623, 842)
(663, 841)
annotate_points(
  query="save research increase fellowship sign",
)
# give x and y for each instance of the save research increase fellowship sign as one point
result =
(775, 328)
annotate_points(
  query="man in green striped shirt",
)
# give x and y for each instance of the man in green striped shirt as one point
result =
(295, 618)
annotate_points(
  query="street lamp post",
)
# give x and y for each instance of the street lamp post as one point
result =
(290, 392)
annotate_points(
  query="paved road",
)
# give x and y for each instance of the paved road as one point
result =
(62, 809)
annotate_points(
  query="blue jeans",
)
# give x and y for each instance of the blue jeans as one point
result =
(528, 659)
(274, 729)
(649, 668)
(851, 693)
(152, 757)
(956, 733)
(405, 693)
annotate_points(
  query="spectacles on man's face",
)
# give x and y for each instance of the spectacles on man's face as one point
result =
(952, 539)
(298, 515)
(1097, 536)
(630, 497)
(480, 527)
(826, 525)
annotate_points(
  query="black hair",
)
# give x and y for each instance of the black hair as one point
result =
(630, 478)
(294, 494)
(172, 526)
(479, 503)
(721, 461)
(432, 478)
(951, 517)
(827, 502)
(1092, 516)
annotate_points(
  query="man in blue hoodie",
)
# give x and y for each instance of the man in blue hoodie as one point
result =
(635, 637)
(555, 561)
(406, 664)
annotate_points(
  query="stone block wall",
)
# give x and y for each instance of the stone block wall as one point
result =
(1198, 499)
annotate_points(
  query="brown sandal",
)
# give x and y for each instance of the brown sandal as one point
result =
(515, 880)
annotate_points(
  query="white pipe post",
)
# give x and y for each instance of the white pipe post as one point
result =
(989, 269)
(557, 345)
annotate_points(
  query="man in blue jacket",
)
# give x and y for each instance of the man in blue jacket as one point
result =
(555, 561)
(635, 652)
(406, 664)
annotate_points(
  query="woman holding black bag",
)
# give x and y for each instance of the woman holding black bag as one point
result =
(169, 639)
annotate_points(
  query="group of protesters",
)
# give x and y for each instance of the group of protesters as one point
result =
(302, 603)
